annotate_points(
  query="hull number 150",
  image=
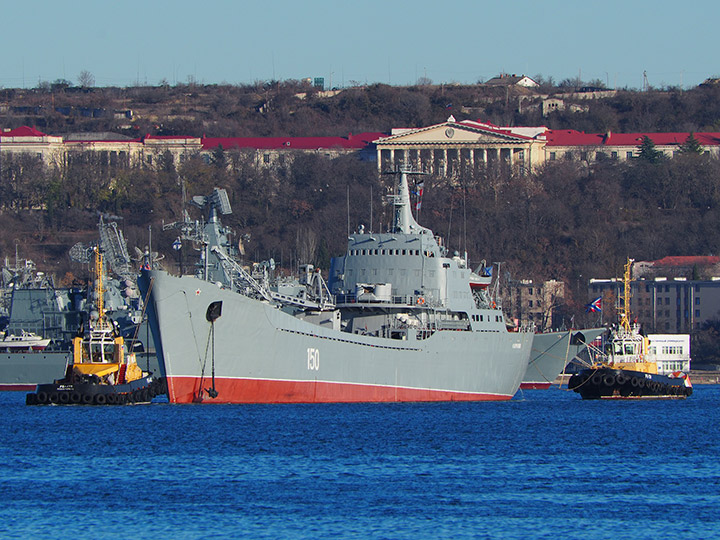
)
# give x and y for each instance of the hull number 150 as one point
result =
(313, 357)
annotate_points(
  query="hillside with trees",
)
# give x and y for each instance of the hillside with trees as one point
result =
(568, 221)
(295, 108)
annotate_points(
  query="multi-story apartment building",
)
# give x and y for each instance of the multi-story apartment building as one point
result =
(667, 304)
(537, 303)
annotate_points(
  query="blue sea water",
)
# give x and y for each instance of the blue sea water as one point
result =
(544, 465)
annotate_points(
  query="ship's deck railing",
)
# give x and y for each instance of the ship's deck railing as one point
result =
(527, 327)
(413, 300)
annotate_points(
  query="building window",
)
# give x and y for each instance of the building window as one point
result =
(629, 155)
(614, 155)
(552, 156)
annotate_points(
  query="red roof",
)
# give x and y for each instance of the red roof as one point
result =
(23, 131)
(701, 260)
(570, 137)
(356, 142)
(170, 137)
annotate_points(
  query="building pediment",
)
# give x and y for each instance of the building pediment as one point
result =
(452, 133)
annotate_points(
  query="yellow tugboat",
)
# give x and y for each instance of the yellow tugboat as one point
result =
(629, 367)
(100, 371)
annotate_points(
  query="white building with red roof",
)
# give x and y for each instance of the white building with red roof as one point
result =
(568, 143)
(149, 149)
(448, 148)
(268, 149)
(27, 140)
(451, 147)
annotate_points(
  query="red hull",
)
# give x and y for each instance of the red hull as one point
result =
(186, 390)
(17, 387)
(534, 385)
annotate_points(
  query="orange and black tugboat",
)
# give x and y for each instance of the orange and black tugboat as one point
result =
(628, 368)
(100, 370)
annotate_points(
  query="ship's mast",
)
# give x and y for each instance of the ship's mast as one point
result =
(99, 289)
(625, 308)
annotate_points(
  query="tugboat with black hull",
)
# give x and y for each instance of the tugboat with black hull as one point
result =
(100, 371)
(629, 367)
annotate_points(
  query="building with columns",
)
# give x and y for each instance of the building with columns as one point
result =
(451, 147)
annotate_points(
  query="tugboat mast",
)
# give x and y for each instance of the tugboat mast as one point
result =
(99, 289)
(625, 308)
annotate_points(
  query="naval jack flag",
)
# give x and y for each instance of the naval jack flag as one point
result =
(595, 305)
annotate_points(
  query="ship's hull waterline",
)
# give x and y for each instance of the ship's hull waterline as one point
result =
(256, 353)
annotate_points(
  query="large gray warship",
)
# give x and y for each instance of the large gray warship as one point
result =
(400, 319)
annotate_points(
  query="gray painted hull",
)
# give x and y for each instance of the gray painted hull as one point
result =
(258, 353)
(24, 371)
(551, 352)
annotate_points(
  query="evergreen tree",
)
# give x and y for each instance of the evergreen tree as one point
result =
(648, 152)
(691, 146)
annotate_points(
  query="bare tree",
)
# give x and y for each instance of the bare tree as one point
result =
(86, 79)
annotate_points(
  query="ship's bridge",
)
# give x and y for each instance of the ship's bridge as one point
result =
(414, 265)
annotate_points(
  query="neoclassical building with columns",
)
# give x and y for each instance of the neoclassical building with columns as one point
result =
(451, 147)
(448, 149)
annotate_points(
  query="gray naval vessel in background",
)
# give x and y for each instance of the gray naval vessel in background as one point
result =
(553, 351)
(400, 319)
(33, 304)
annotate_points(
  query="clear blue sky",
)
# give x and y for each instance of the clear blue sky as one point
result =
(124, 42)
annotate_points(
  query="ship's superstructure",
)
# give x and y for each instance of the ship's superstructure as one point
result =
(400, 320)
